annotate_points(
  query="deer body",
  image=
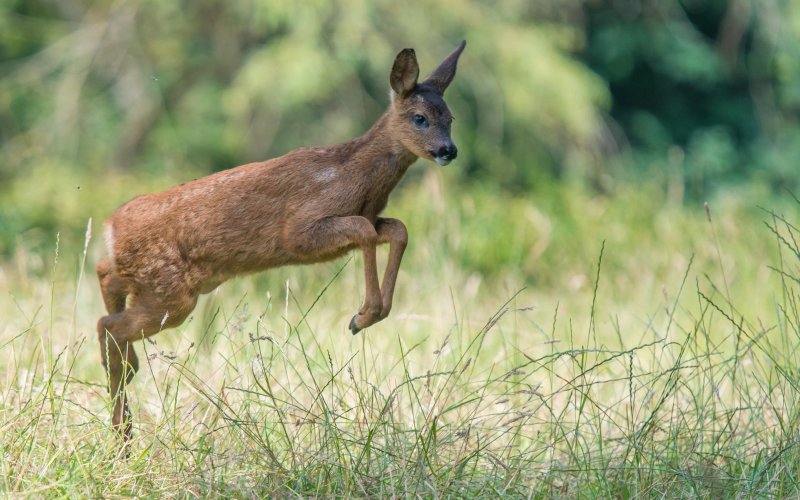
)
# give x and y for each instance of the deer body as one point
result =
(251, 218)
(310, 205)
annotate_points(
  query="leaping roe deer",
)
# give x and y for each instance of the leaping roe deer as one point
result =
(310, 205)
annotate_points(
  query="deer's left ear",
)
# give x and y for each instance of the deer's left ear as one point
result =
(405, 72)
(441, 77)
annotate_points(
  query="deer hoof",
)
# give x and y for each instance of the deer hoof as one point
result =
(353, 327)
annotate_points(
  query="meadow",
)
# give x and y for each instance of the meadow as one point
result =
(570, 320)
(572, 344)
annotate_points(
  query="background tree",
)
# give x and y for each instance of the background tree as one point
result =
(119, 98)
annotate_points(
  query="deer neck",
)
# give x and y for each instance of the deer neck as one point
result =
(380, 148)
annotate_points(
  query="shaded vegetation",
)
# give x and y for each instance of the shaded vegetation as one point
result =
(706, 90)
(689, 96)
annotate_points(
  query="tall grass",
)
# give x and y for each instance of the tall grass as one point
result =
(474, 386)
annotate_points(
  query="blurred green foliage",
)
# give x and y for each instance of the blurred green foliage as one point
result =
(101, 100)
(707, 89)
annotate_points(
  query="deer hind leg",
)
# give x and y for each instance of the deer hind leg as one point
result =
(146, 315)
(112, 286)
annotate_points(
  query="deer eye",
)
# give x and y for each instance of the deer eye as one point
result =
(420, 122)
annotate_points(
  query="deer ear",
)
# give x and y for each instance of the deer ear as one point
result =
(404, 72)
(441, 77)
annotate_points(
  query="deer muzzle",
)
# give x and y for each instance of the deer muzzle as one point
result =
(445, 154)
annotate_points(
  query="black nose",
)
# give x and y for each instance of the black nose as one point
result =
(448, 152)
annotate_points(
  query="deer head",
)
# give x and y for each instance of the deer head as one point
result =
(421, 117)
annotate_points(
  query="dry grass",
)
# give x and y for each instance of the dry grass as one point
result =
(643, 370)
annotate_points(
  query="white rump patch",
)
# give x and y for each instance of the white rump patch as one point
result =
(108, 235)
(164, 319)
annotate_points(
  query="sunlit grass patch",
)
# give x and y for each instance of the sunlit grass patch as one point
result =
(472, 387)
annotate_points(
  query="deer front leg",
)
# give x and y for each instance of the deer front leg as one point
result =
(370, 312)
(331, 237)
(393, 232)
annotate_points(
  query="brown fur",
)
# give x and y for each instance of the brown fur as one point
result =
(310, 205)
